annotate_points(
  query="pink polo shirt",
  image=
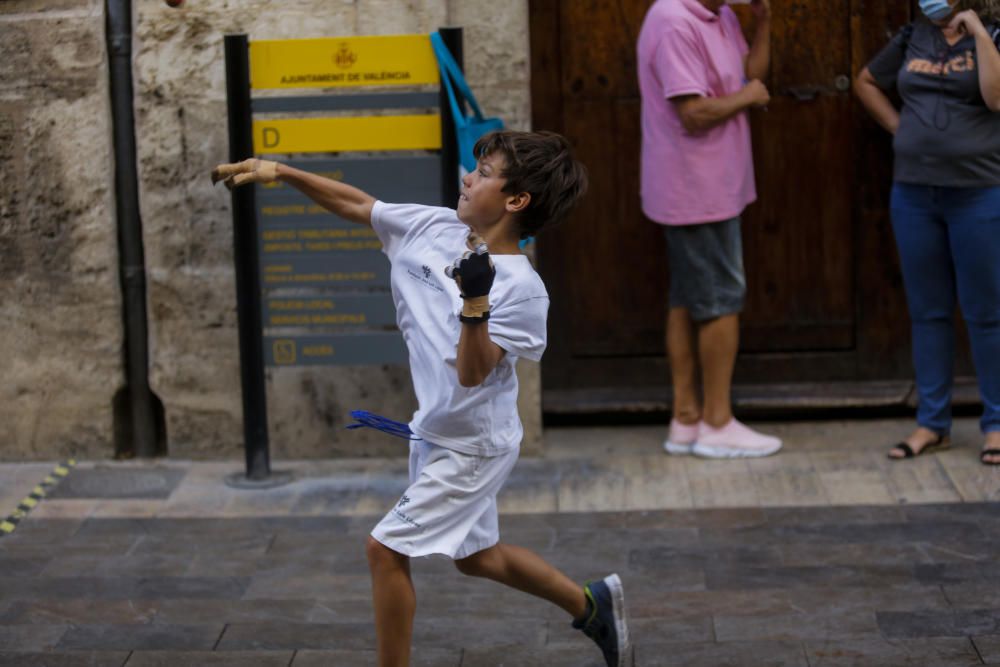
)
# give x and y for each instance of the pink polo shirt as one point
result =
(686, 49)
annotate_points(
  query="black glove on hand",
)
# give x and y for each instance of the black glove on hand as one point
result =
(474, 273)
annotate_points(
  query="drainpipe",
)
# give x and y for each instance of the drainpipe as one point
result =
(132, 268)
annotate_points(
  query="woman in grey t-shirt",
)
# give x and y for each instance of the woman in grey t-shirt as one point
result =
(945, 202)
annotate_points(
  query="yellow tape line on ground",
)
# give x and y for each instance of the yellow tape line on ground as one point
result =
(30, 501)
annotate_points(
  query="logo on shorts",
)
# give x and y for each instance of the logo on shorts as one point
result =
(402, 516)
(427, 271)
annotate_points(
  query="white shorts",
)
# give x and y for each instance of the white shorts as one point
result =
(450, 506)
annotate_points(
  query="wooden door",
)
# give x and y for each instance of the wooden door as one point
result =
(824, 299)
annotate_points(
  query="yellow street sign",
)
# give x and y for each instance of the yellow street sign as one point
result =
(342, 61)
(343, 133)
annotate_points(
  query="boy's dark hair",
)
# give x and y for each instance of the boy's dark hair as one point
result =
(541, 164)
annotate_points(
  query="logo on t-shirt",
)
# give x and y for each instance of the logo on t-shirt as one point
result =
(425, 279)
(962, 63)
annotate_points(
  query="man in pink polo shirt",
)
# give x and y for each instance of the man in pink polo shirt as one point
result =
(698, 78)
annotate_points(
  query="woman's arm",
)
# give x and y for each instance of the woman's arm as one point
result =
(346, 201)
(987, 56)
(876, 102)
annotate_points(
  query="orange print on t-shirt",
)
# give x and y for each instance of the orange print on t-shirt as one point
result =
(963, 63)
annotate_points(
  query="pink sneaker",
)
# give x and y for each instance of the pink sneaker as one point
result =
(681, 437)
(734, 440)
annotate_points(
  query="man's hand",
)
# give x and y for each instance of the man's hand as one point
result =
(756, 93)
(249, 171)
(474, 273)
(761, 9)
(968, 21)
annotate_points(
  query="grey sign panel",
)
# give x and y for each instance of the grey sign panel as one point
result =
(298, 211)
(345, 270)
(414, 179)
(330, 311)
(345, 102)
(347, 349)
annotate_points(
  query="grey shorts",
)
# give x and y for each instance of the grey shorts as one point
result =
(706, 268)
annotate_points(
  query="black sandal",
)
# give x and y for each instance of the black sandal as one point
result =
(989, 452)
(938, 445)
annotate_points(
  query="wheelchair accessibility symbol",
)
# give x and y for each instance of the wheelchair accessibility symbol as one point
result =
(284, 351)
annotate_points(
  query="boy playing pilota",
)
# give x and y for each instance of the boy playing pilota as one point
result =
(469, 304)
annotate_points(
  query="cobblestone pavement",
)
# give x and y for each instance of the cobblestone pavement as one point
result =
(160, 563)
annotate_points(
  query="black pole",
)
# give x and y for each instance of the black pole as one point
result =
(248, 290)
(452, 38)
(132, 262)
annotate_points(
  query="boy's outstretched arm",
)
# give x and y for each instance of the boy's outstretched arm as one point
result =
(477, 354)
(344, 200)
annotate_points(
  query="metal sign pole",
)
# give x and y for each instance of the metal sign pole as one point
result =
(248, 289)
(452, 38)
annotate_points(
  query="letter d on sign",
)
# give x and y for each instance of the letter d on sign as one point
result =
(271, 137)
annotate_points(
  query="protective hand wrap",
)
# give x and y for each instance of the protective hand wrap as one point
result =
(474, 272)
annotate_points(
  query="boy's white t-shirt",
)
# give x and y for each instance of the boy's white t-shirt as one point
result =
(420, 242)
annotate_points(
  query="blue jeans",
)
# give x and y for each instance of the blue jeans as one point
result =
(949, 246)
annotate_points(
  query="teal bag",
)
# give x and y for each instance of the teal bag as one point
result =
(468, 128)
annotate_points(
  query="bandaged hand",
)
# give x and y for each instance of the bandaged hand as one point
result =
(249, 171)
(474, 273)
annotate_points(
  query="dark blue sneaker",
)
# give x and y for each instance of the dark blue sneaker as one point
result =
(605, 620)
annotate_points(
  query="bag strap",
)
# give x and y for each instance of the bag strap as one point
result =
(457, 113)
(907, 33)
(457, 77)
(450, 70)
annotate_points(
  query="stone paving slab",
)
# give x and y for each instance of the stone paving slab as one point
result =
(139, 637)
(715, 587)
(939, 623)
(58, 659)
(105, 482)
(20, 637)
(971, 596)
(355, 635)
(723, 654)
(879, 652)
(79, 611)
(427, 658)
(988, 648)
(830, 623)
(211, 659)
(517, 656)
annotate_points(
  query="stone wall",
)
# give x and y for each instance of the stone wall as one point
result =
(181, 117)
(59, 294)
